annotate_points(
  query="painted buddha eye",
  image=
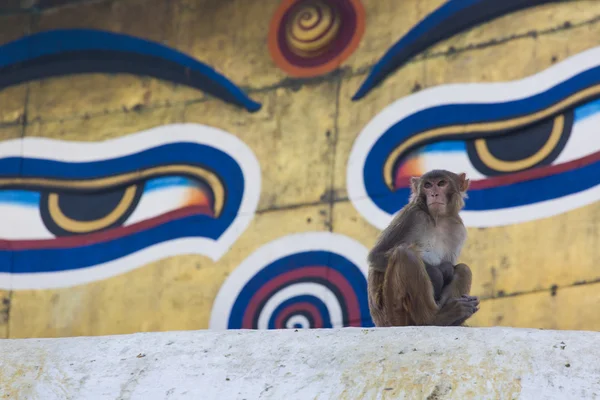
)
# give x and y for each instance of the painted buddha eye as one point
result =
(63, 211)
(528, 147)
(75, 212)
(550, 142)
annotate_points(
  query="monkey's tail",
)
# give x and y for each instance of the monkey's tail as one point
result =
(408, 289)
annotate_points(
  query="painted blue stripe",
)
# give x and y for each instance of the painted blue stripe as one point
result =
(446, 146)
(10, 167)
(587, 110)
(68, 40)
(168, 182)
(321, 307)
(53, 260)
(463, 114)
(517, 194)
(20, 197)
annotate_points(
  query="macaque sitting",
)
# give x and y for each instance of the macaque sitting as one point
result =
(413, 276)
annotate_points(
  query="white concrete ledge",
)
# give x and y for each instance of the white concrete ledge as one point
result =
(352, 363)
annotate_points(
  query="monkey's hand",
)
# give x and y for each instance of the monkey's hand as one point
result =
(457, 310)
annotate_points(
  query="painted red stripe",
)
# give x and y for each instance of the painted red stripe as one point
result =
(294, 309)
(357, 324)
(273, 285)
(104, 236)
(518, 177)
(340, 281)
(336, 278)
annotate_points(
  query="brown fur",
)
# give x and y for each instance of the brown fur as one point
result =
(428, 229)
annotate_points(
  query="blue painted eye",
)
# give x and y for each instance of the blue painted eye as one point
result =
(528, 147)
(69, 206)
(62, 212)
(556, 140)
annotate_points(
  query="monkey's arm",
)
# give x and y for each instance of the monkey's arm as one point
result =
(404, 229)
(460, 284)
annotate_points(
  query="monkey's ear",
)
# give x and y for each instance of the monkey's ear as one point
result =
(414, 184)
(463, 182)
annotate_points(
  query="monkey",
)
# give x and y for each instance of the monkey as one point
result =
(426, 234)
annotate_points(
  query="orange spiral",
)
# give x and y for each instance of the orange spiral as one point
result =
(312, 27)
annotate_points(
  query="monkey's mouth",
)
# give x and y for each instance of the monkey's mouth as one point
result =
(436, 203)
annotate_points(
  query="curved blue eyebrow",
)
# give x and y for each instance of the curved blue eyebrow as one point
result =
(70, 51)
(449, 19)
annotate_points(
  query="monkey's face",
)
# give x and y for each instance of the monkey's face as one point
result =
(441, 191)
(437, 195)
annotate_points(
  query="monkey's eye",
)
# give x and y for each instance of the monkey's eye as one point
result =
(442, 183)
(427, 185)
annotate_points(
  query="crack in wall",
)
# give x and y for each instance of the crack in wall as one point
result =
(334, 139)
(552, 290)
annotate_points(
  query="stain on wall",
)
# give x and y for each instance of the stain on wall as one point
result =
(152, 204)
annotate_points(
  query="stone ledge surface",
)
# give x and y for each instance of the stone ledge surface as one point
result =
(350, 363)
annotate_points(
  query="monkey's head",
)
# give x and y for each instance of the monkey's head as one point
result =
(440, 192)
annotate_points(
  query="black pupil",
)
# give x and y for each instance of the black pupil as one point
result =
(441, 183)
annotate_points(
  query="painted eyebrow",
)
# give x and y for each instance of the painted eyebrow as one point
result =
(449, 19)
(76, 51)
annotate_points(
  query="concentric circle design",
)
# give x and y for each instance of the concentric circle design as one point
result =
(313, 37)
(309, 280)
(313, 27)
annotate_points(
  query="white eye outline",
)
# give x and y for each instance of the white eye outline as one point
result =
(156, 202)
(469, 93)
(23, 221)
(77, 152)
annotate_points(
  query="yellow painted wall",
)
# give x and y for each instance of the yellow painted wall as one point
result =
(536, 274)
